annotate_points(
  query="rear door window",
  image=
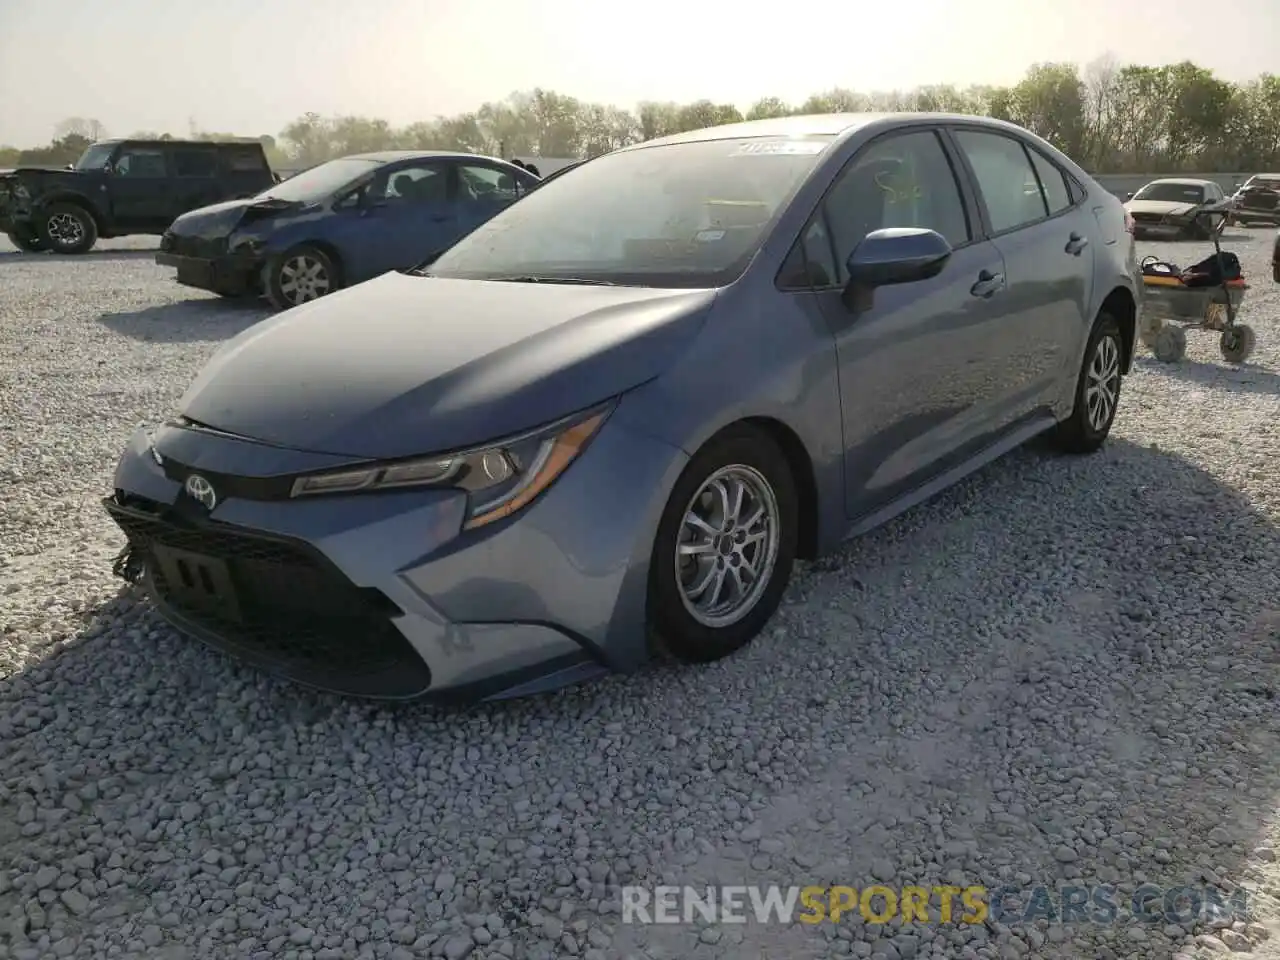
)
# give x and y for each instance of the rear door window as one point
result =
(195, 162)
(245, 160)
(1057, 192)
(1006, 178)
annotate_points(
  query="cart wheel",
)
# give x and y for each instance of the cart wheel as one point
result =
(1237, 343)
(1150, 330)
(1170, 345)
(1215, 316)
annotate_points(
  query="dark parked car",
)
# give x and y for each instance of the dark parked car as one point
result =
(1171, 209)
(1275, 259)
(608, 420)
(339, 223)
(1257, 200)
(123, 187)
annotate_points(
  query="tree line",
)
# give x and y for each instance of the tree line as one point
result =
(1109, 117)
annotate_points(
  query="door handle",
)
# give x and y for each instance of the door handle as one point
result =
(988, 285)
(1076, 245)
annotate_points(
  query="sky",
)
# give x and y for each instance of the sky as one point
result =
(249, 67)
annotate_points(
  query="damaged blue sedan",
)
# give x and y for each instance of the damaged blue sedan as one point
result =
(607, 422)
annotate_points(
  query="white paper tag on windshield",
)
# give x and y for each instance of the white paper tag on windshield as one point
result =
(766, 148)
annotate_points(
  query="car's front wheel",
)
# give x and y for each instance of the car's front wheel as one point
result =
(1097, 390)
(299, 276)
(67, 228)
(725, 547)
(24, 238)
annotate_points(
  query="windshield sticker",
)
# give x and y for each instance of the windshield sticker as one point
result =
(765, 148)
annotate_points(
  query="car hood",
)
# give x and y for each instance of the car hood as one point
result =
(220, 219)
(406, 365)
(45, 168)
(1166, 208)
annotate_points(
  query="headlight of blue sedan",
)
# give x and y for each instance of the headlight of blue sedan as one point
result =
(500, 478)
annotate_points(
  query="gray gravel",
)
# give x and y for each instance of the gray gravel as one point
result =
(1061, 671)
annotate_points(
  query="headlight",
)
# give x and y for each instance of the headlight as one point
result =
(500, 479)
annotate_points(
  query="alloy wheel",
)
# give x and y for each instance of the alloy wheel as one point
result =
(1102, 387)
(727, 546)
(304, 278)
(65, 229)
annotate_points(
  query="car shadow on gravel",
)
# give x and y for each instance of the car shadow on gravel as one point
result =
(1245, 378)
(93, 256)
(188, 321)
(1119, 728)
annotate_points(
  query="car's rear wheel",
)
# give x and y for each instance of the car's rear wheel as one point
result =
(300, 275)
(24, 238)
(725, 547)
(67, 228)
(1097, 390)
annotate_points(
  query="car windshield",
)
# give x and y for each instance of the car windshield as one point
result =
(675, 215)
(95, 157)
(320, 181)
(1266, 183)
(1173, 192)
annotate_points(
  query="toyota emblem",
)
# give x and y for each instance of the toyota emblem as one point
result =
(201, 491)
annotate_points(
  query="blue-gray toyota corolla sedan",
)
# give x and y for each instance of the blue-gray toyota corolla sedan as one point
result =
(608, 421)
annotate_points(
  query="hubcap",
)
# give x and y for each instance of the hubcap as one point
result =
(727, 546)
(65, 230)
(303, 278)
(1103, 383)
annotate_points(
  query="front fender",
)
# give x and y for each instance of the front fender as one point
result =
(46, 200)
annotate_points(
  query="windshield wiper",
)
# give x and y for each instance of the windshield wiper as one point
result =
(576, 280)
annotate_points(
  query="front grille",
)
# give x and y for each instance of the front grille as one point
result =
(1148, 217)
(201, 248)
(289, 609)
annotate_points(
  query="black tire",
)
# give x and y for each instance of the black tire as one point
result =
(756, 459)
(25, 239)
(1081, 432)
(293, 264)
(67, 228)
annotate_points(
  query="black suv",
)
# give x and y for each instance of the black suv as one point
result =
(123, 187)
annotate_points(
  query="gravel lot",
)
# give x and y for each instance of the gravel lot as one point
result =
(1061, 671)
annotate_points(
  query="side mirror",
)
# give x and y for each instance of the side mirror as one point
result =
(897, 255)
(1129, 195)
(70, 166)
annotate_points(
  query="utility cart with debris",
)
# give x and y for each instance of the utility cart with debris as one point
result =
(1205, 296)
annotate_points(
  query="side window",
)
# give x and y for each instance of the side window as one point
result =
(1057, 193)
(194, 162)
(489, 184)
(1005, 177)
(245, 160)
(140, 162)
(901, 181)
(420, 183)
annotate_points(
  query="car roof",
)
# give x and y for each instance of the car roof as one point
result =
(173, 142)
(391, 156)
(819, 125)
(1184, 182)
